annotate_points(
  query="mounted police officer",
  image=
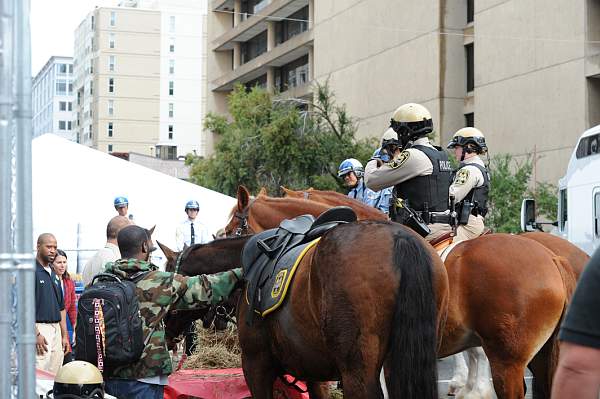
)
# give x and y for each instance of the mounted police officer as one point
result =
(419, 172)
(352, 172)
(471, 182)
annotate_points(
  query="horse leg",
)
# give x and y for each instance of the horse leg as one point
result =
(508, 377)
(260, 375)
(478, 384)
(543, 366)
(361, 384)
(459, 379)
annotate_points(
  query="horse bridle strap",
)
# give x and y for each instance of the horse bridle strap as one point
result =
(243, 217)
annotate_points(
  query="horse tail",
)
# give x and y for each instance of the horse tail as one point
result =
(413, 340)
(548, 354)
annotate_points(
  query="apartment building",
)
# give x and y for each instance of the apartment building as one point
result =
(139, 77)
(525, 73)
(52, 98)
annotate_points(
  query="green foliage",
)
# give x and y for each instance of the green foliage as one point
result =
(510, 181)
(273, 142)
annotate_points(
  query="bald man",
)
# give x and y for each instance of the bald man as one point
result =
(50, 316)
(109, 253)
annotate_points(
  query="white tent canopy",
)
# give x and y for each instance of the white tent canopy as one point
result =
(74, 187)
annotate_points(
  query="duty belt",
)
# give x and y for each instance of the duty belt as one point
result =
(436, 217)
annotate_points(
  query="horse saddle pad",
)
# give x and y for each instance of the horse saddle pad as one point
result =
(269, 259)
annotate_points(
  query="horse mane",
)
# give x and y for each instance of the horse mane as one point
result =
(290, 201)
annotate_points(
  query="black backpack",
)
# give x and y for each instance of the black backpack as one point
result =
(111, 302)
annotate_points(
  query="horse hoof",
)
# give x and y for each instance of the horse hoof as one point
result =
(452, 390)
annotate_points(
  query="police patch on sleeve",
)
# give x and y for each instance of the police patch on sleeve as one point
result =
(401, 160)
(461, 177)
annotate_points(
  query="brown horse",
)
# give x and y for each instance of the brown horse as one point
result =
(577, 258)
(333, 198)
(507, 294)
(348, 312)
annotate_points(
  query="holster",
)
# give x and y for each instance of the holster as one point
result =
(465, 209)
(401, 213)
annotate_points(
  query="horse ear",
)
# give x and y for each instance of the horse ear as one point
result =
(286, 191)
(243, 197)
(151, 231)
(263, 191)
(169, 253)
(310, 189)
(185, 246)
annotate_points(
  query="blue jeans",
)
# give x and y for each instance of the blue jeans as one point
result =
(133, 389)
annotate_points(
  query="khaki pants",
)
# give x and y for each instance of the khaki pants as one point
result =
(474, 228)
(437, 230)
(52, 360)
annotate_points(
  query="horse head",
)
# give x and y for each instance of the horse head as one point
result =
(238, 221)
(170, 255)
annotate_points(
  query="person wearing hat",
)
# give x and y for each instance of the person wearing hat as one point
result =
(351, 172)
(121, 206)
(419, 172)
(191, 232)
(471, 183)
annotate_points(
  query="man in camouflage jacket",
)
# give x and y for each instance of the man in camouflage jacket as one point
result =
(158, 292)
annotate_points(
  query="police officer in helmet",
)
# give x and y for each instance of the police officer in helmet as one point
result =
(352, 172)
(121, 205)
(471, 182)
(78, 380)
(419, 172)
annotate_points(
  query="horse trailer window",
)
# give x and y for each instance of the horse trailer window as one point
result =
(562, 209)
(597, 214)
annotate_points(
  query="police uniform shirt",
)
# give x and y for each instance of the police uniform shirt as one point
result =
(467, 178)
(184, 234)
(408, 164)
(377, 199)
(49, 299)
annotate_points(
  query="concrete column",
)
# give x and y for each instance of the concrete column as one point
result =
(270, 79)
(237, 55)
(311, 64)
(237, 9)
(270, 35)
(311, 13)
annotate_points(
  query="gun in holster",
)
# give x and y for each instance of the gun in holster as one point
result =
(401, 213)
(465, 209)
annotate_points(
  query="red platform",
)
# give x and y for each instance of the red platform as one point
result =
(220, 384)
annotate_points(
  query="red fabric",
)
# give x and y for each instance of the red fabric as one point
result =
(70, 302)
(220, 384)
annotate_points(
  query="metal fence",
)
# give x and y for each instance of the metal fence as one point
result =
(17, 295)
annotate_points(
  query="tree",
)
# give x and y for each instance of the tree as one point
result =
(509, 184)
(273, 142)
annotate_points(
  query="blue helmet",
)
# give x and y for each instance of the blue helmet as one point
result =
(378, 155)
(192, 204)
(351, 165)
(120, 202)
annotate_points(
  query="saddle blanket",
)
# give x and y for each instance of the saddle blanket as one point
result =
(274, 290)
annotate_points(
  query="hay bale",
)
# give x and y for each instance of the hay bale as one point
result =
(215, 349)
(336, 394)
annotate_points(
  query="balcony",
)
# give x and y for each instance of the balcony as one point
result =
(290, 50)
(221, 5)
(253, 25)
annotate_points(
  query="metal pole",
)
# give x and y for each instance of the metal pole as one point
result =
(6, 177)
(23, 227)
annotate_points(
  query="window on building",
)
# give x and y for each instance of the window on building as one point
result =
(70, 106)
(170, 132)
(113, 18)
(292, 74)
(61, 87)
(70, 68)
(111, 40)
(171, 67)
(470, 10)
(69, 125)
(171, 110)
(111, 63)
(261, 82)
(111, 85)
(91, 66)
(62, 125)
(110, 148)
(90, 131)
(70, 88)
(91, 88)
(168, 152)
(172, 23)
(172, 45)
(254, 47)
(62, 68)
(469, 51)
(62, 105)
(171, 88)
(294, 25)
(111, 107)
(93, 23)
(470, 120)
(109, 129)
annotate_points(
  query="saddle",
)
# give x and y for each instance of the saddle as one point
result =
(445, 243)
(269, 259)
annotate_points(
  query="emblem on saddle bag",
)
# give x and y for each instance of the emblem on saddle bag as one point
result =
(279, 283)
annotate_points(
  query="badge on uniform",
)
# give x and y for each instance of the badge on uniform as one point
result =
(401, 160)
(461, 177)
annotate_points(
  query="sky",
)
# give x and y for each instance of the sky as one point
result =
(53, 23)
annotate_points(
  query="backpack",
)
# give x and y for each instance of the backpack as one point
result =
(109, 323)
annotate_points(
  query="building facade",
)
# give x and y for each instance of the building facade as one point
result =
(139, 78)
(52, 97)
(524, 73)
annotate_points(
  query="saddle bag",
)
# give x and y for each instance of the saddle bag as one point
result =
(109, 323)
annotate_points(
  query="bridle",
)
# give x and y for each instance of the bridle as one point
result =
(242, 216)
